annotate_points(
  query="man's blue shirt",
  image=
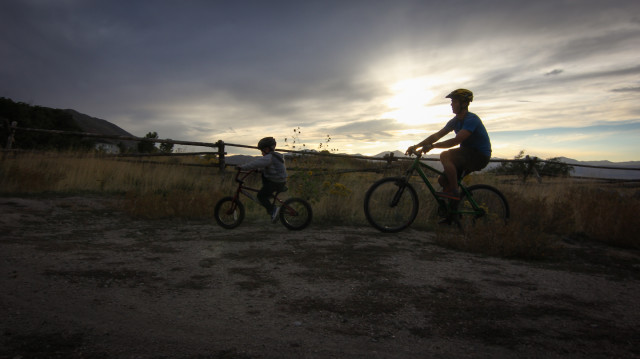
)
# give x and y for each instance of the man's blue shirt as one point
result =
(479, 138)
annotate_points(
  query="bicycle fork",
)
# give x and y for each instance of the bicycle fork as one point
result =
(402, 184)
(236, 200)
(396, 197)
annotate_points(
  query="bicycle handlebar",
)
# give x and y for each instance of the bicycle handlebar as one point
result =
(239, 171)
(413, 151)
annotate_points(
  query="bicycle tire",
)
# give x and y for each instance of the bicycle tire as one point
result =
(227, 215)
(380, 210)
(295, 213)
(491, 200)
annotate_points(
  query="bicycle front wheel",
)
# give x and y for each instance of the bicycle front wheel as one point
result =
(295, 214)
(391, 204)
(229, 213)
(492, 209)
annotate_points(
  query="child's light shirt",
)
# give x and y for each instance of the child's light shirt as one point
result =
(272, 166)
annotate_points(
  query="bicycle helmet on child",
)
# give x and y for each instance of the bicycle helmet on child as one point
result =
(461, 94)
(267, 142)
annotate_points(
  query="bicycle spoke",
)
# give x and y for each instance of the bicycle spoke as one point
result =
(492, 208)
(391, 205)
(229, 214)
(295, 213)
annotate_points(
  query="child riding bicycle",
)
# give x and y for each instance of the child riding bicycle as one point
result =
(274, 174)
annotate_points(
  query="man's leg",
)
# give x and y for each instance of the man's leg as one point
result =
(450, 183)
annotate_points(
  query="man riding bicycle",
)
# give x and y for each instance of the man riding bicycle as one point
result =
(474, 152)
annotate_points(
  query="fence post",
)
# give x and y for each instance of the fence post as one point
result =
(389, 157)
(12, 131)
(221, 160)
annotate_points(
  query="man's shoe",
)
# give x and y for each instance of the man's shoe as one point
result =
(450, 195)
(274, 215)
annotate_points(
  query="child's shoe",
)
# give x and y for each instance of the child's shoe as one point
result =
(274, 215)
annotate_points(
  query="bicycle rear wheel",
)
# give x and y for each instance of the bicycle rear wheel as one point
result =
(391, 204)
(229, 213)
(495, 209)
(295, 214)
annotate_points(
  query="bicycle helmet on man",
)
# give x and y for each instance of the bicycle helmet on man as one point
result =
(461, 94)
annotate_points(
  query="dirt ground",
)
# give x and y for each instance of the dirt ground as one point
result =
(80, 279)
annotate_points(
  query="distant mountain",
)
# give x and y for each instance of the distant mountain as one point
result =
(239, 159)
(604, 172)
(397, 153)
(95, 125)
(608, 173)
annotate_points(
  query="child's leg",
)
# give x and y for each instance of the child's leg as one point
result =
(265, 195)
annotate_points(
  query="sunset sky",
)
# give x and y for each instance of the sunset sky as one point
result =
(553, 78)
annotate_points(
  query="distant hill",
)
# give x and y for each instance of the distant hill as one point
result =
(397, 153)
(95, 125)
(239, 159)
(578, 171)
(604, 172)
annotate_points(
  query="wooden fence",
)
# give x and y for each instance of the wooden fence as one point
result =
(220, 152)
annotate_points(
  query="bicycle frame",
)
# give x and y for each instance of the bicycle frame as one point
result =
(448, 205)
(245, 190)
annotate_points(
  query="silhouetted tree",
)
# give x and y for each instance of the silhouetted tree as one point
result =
(166, 147)
(552, 167)
(146, 146)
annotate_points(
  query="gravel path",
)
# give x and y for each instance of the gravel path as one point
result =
(80, 279)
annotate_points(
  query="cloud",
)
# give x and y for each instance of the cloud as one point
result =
(554, 72)
(627, 89)
(193, 70)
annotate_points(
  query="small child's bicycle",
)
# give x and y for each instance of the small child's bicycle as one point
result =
(391, 204)
(295, 213)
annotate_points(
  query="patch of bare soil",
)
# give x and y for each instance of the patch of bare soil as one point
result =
(80, 279)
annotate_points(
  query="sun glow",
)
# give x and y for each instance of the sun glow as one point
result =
(409, 103)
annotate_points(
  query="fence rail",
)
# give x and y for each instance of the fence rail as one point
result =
(220, 153)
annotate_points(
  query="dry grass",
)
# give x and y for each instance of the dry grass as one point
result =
(540, 212)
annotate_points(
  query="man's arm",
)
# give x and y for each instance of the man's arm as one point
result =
(427, 142)
(433, 138)
(460, 137)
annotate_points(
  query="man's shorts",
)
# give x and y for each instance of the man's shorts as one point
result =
(468, 159)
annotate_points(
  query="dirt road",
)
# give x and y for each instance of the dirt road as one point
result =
(80, 279)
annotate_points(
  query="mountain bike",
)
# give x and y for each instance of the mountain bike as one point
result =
(295, 213)
(391, 204)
